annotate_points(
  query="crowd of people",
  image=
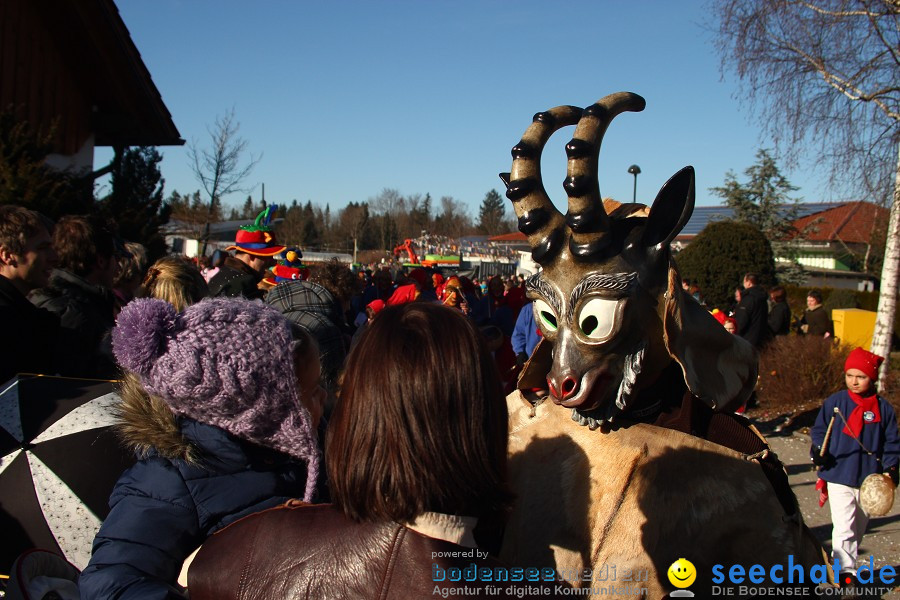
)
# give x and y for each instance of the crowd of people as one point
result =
(241, 396)
(759, 316)
(228, 378)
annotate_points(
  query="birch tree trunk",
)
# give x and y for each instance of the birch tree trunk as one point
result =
(887, 299)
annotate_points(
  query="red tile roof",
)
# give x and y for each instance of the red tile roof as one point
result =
(517, 236)
(853, 222)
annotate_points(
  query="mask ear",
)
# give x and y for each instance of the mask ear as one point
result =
(534, 374)
(719, 368)
(671, 210)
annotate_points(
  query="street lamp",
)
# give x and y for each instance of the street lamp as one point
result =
(634, 170)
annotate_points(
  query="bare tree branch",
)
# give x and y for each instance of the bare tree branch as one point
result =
(218, 167)
(827, 72)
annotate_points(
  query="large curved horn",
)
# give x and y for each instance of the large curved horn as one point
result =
(538, 218)
(586, 217)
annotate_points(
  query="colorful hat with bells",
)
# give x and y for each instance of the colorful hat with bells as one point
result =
(290, 267)
(258, 239)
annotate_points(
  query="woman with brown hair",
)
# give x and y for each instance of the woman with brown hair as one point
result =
(416, 460)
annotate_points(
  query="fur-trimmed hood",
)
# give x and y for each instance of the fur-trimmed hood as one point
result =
(148, 426)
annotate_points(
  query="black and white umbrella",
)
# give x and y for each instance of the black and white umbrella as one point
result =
(59, 461)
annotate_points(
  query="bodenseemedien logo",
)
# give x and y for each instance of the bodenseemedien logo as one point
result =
(682, 574)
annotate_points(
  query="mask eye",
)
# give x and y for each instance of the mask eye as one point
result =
(597, 317)
(545, 315)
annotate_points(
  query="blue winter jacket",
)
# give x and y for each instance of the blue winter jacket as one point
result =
(162, 509)
(525, 336)
(852, 463)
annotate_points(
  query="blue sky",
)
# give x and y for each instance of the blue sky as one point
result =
(343, 99)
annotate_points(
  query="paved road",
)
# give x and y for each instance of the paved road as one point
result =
(882, 539)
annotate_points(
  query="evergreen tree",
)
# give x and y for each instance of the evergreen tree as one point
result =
(26, 179)
(719, 257)
(248, 208)
(312, 235)
(491, 214)
(136, 201)
(765, 202)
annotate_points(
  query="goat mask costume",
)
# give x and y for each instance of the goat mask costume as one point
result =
(609, 300)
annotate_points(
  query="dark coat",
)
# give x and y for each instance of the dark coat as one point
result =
(165, 506)
(86, 316)
(851, 463)
(235, 278)
(29, 335)
(300, 552)
(818, 321)
(752, 316)
(780, 319)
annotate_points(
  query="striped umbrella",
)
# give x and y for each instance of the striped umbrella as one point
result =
(59, 461)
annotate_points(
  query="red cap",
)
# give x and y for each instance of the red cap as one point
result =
(403, 294)
(864, 361)
(376, 306)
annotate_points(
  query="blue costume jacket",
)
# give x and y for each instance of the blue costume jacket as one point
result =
(852, 463)
(525, 335)
(164, 508)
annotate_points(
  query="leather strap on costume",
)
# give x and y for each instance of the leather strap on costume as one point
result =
(732, 431)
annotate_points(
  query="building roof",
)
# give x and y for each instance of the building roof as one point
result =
(175, 226)
(851, 222)
(516, 236)
(74, 61)
(704, 215)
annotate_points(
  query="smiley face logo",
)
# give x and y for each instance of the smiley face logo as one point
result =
(682, 573)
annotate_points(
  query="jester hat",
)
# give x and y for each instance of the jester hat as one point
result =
(258, 239)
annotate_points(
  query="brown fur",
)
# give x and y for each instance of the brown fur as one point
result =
(147, 423)
(639, 498)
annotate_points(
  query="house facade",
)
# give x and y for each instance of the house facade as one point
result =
(71, 65)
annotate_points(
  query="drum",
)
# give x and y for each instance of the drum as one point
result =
(876, 494)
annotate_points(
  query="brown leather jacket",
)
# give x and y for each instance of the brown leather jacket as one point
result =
(301, 551)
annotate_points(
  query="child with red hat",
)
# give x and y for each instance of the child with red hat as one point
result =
(863, 440)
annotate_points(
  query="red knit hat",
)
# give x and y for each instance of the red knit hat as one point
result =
(376, 305)
(865, 361)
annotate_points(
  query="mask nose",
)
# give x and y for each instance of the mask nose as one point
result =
(562, 387)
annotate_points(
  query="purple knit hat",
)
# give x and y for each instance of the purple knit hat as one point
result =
(225, 362)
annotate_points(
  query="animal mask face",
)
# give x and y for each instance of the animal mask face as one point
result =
(608, 299)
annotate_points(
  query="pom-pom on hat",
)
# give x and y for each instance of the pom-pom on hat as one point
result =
(225, 362)
(258, 239)
(865, 361)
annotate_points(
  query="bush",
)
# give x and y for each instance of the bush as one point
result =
(840, 298)
(797, 373)
(719, 257)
